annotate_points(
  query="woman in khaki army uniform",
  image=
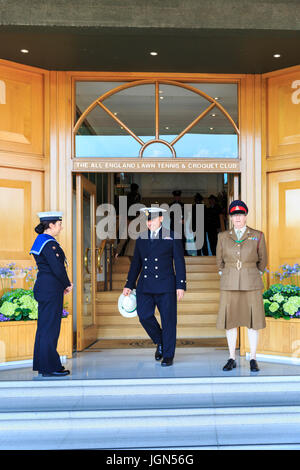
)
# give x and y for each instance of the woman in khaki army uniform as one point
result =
(241, 259)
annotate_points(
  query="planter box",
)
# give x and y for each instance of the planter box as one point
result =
(17, 339)
(280, 338)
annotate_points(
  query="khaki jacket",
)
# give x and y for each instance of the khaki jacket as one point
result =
(241, 263)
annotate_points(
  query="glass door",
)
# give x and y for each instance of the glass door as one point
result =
(233, 191)
(86, 262)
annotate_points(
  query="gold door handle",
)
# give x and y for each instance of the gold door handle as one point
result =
(99, 267)
(86, 260)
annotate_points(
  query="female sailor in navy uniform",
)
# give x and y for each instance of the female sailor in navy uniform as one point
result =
(51, 284)
(155, 252)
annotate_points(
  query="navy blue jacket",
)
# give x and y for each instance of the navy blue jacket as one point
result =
(154, 261)
(52, 275)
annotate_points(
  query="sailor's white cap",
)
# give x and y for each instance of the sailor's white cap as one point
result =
(50, 215)
(152, 212)
(127, 305)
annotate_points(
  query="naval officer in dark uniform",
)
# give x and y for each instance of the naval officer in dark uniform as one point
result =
(51, 284)
(156, 253)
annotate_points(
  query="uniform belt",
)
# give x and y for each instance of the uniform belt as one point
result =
(239, 264)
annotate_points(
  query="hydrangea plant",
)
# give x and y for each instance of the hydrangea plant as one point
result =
(20, 304)
(282, 301)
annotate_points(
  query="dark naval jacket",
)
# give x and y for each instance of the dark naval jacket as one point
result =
(154, 262)
(50, 259)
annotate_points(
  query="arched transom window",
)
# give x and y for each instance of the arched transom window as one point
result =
(156, 119)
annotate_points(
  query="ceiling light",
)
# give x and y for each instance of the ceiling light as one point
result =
(115, 114)
(161, 97)
(217, 98)
(276, 56)
(24, 51)
(153, 53)
(211, 128)
(167, 128)
(213, 115)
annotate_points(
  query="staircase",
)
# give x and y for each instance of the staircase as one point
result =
(197, 312)
(192, 413)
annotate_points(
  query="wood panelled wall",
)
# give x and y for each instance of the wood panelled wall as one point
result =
(23, 155)
(34, 171)
(35, 118)
(281, 165)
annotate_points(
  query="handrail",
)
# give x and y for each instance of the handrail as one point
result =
(106, 248)
(86, 261)
(100, 253)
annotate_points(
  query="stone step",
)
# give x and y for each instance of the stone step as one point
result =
(184, 306)
(200, 260)
(186, 319)
(118, 394)
(190, 268)
(146, 429)
(192, 296)
(124, 260)
(123, 414)
(191, 276)
(191, 285)
(201, 268)
(136, 331)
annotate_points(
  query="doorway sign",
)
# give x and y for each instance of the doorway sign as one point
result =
(139, 165)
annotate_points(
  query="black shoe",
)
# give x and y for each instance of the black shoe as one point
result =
(167, 361)
(254, 366)
(159, 352)
(60, 373)
(231, 364)
(60, 370)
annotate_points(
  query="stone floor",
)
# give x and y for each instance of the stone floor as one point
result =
(140, 363)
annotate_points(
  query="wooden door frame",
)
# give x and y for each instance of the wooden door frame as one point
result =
(62, 88)
(85, 336)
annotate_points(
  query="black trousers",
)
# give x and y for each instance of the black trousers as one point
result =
(167, 306)
(45, 357)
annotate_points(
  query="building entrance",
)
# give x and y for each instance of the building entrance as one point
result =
(161, 135)
(102, 268)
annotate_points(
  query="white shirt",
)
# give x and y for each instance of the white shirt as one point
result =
(241, 230)
(153, 234)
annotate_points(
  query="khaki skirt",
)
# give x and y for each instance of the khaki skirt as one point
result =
(241, 308)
